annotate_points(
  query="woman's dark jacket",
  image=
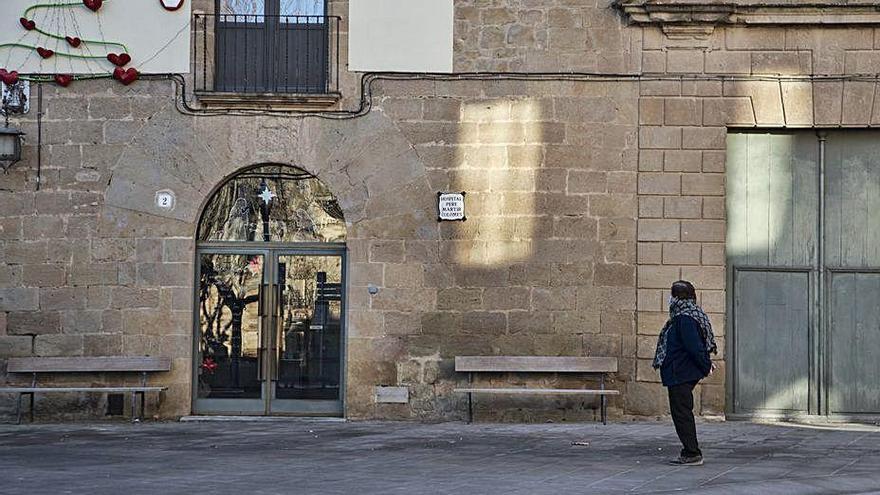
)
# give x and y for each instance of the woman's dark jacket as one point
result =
(686, 357)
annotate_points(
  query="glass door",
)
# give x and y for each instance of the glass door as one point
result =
(270, 332)
(307, 345)
(232, 351)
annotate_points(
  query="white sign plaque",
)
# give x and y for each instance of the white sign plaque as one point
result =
(450, 206)
(165, 199)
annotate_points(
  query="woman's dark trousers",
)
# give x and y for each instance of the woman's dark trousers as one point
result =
(681, 405)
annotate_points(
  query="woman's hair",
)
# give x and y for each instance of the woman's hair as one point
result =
(683, 289)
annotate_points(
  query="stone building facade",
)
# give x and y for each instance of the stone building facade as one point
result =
(591, 140)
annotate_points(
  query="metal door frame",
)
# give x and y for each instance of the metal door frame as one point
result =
(269, 327)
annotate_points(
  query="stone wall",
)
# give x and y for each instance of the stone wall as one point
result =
(585, 200)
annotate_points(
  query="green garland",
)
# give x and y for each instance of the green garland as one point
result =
(48, 78)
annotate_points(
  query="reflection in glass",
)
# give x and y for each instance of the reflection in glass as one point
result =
(229, 322)
(310, 295)
(297, 208)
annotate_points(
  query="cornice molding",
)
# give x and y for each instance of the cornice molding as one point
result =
(710, 13)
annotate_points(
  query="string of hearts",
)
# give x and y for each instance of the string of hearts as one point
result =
(119, 60)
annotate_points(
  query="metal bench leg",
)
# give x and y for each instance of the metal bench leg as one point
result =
(18, 409)
(33, 399)
(143, 402)
(604, 414)
(133, 407)
(470, 416)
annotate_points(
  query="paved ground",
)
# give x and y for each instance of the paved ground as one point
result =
(312, 457)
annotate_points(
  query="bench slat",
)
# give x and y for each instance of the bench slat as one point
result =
(88, 364)
(13, 390)
(544, 391)
(536, 364)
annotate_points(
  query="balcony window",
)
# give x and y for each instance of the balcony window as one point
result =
(267, 47)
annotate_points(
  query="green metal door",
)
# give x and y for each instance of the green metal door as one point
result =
(852, 258)
(803, 249)
(772, 258)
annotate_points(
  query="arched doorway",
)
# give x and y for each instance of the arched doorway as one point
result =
(270, 268)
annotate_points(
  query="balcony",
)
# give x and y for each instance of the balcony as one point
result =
(270, 62)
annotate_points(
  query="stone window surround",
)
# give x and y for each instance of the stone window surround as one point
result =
(695, 18)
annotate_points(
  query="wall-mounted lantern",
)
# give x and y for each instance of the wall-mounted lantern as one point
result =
(10, 147)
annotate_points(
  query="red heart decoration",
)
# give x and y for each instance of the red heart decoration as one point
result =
(93, 5)
(45, 52)
(63, 80)
(73, 41)
(119, 60)
(8, 78)
(27, 23)
(125, 76)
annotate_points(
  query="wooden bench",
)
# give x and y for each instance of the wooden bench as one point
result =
(536, 364)
(105, 364)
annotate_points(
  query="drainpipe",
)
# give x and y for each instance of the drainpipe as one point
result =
(821, 323)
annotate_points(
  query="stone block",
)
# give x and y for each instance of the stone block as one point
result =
(11, 228)
(58, 345)
(651, 207)
(93, 274)
(364, 274)
(766, 98)
(81, 321)
(682, 161)
(613, 274)
(704, 277)
(554, 298)
(409, 299)
(130, 298)
(113, 250)
(387, 251)
(658, 230)
(43, 275)
(18, 299)
(658, 277)
(682, 207)
(650, 300)
(651, 160)
(651, 111)
(33, 322)
(712, 301)
(701, 88)
(576, 322)
(651, 323)
(483, 322)
(681, 253)
(660, 137)
(713, 254)
(754, 38)
(10, 276)
(736, 111)
(714, 161)
(15, 346)
(397, 323)
(684, 61)
(102, 345)
(703, 230)
(702, 184)
(858, 98)
(660, 88)
(778, 63)
(586, 181)
(650, 253)
(645, 399)
(683, 111)
(403, 275)
(659, 183)
(727, 62)
(506, 298)
(713, 208)
(63, 298)
(24, 252)
(174, 250)
(828, 102)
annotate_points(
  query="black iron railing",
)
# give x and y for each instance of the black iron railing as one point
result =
(247, 53)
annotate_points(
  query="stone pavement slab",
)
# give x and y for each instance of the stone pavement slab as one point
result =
(360, 458)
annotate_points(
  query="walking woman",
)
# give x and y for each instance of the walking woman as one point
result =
(683, 360)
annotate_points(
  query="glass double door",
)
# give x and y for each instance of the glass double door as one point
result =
(269, 338)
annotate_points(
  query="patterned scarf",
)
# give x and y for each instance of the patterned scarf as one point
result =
(687, 307)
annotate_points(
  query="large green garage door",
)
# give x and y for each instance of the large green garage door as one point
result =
(803, 248)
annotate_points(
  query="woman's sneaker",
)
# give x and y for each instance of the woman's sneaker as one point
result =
(687, 461)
